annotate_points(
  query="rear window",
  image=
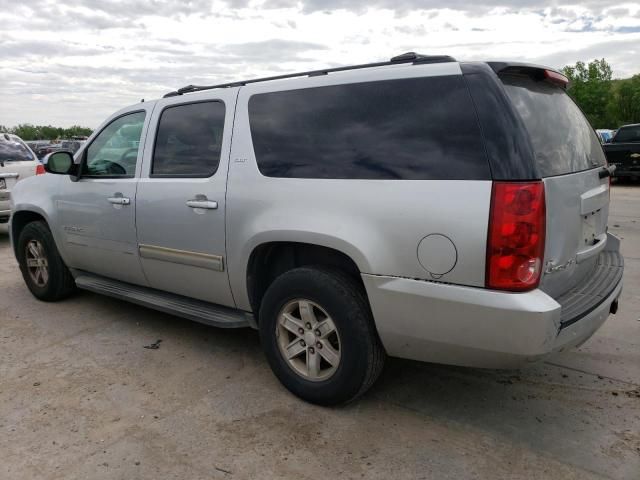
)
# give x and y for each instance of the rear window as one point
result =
(628, 134)
(413, 129)
(13, 150)
(563, 140)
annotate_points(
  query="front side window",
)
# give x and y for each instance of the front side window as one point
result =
(189, 140)
(114, 152)
(407, 129)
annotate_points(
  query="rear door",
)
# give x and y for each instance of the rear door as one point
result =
(181, 196)
(569, 159)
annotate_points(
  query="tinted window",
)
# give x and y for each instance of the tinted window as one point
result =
(114, 152)
(12, 149)
(562, 138)
(189, 140)
(628, 134)
(422, 128)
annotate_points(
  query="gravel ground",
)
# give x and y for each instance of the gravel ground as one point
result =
(81, 398)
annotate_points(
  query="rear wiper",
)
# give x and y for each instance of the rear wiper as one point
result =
(607, 171)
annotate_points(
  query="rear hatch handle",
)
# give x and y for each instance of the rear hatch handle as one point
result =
(607, 171)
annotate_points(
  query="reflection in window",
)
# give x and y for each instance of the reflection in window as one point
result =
(562, 139)
(418, 128)
(114, 152)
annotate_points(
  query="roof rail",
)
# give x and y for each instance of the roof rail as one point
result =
(409, 57)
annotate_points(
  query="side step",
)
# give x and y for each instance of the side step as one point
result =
(196, 310)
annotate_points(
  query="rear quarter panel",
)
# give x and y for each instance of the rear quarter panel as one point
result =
(377, 223)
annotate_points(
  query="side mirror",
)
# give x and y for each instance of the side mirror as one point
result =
(60, 163)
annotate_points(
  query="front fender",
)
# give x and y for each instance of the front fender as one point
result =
(36, 195)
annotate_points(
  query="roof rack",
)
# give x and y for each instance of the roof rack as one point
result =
(409, 57)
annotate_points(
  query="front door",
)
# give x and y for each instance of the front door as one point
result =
(98, 210)
(181, 197)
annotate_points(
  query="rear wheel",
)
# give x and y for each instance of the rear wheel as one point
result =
(318, 335)
(43, 270)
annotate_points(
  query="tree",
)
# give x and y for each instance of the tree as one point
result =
(27, 131)
(591, 88)
(625, 103)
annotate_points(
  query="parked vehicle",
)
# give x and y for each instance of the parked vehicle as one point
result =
(45, 149)
(17, 162)
(623, 151)
(605, 135)
(423, 208)
(71, 145)
(35, 145)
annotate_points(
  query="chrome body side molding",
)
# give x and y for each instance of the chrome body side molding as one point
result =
(184, 257)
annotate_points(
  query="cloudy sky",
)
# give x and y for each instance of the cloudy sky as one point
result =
(76, 61)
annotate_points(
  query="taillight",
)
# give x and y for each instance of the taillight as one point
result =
(515, 246)
(40, 169)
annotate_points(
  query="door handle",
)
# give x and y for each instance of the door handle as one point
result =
(208, 204)
(119, 200)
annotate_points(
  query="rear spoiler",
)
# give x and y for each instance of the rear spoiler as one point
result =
(537, 72)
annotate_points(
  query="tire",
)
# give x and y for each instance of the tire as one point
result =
(335, 300)
(59, 283)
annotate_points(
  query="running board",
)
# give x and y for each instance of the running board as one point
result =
(185, 307)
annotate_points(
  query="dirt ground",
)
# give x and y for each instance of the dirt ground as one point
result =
(81, 398)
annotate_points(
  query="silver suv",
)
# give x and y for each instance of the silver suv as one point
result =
(421, 208)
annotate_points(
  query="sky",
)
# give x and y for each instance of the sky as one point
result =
(77, 61)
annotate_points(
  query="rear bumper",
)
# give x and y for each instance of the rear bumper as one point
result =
(467, 326)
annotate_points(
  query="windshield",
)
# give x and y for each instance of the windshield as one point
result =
(562, 138)
(12, 149)
(628, 134)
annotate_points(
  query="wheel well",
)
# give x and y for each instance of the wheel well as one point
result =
(269, 260)
(19, 220)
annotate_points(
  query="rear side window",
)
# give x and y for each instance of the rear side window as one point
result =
(13, 150)
(189, 140)
(628, 134)
(413, 129)
(562, 138)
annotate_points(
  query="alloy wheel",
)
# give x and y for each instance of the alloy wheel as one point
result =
(308, 340)
(37, 263)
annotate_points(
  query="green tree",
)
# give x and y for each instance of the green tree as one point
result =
(77, 131)
(49, 132)
(625, 102)
(591, 88)
(26, 131)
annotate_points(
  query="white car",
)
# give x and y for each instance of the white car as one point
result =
(17, 162)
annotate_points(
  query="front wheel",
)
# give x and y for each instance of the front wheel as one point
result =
(43, 270)
(317, 332)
